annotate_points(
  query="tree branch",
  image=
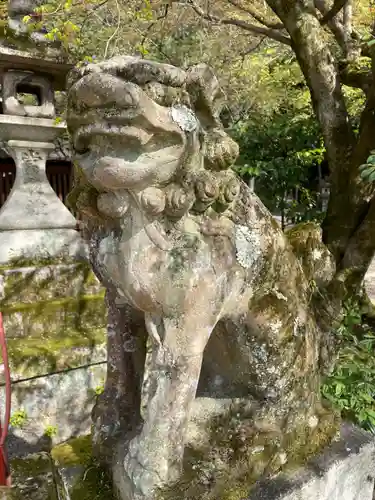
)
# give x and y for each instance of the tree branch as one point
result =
(348, 16)
(252, 28)
(258, 17)
(357, 75)
(337, 6)
(343, 33)
(360, 249)
(334, 24)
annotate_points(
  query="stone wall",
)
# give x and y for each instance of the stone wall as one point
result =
(55, 321)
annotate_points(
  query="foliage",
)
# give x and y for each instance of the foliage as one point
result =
(367, 170)
(351, 385)
(18, 419)
(91, 27)
(99, 390)
(281, 145)
(50, 431)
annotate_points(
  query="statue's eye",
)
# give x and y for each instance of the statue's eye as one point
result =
(184, 117)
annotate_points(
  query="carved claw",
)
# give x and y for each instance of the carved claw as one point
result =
(152, 328)
(138, 467)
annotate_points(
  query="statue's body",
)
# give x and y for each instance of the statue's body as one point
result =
(191, 256)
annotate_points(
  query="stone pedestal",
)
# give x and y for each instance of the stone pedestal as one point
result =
(34, 223)
(345, 471)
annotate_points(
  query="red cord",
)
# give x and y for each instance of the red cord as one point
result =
(4, 469)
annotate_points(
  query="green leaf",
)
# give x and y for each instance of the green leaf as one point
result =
(370, 413)
(339, 389)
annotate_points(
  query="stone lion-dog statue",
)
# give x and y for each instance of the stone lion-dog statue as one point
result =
(192, 261)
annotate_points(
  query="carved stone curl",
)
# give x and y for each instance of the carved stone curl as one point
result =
(190, 256)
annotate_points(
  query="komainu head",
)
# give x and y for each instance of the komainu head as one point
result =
(150, 129)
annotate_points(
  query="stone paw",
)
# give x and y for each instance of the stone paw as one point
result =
(144, 480)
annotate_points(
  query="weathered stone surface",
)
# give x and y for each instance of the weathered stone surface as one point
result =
(33, 204)
(23, 128)
(346, 471)
(60, 404)
(190, 256)
(317, 262)
(15, 82)
(369, 281)
(43, 243)
(46, 62)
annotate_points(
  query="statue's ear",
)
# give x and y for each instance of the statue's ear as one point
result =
(220, 150)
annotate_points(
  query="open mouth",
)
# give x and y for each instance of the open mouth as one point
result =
(130, 157)
(91, 136)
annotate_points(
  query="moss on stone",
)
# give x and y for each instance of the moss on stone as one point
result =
(43, 307)
(20, 41)
(238, 454)
(360, 65)
(20, 262)
(304, 443)
(93, 483)
(51, 312)
(35, 284)
(76, 451)
(33, 478)
(33, 357)
(32, 465)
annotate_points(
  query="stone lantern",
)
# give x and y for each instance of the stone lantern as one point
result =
(33, 221)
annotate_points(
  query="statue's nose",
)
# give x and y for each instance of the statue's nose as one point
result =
(98, 90)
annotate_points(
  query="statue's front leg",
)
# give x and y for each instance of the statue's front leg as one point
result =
(116, 415)
(155, 456)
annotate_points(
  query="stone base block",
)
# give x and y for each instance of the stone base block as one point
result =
(346, 471)
(42, 243)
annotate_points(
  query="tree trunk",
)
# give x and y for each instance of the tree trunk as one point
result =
(349, 197)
